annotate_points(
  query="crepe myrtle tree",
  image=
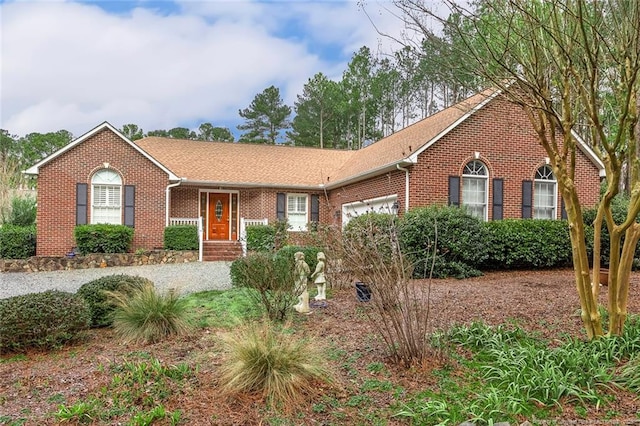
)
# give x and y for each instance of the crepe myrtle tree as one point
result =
(573, 65)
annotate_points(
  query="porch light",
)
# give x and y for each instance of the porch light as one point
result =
(395, 207)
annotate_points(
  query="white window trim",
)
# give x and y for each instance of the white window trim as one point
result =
(485, 178)
(113, 184)
(554, 207)
(298, 226)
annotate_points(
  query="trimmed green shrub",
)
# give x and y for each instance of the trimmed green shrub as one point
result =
(181, 237)
(310, 255)
(146, 316)
(41, 320)
(22, 212)
(103, 238)
(94, 293)
(261, 238)
(528, 244)
(459, 239)
(17, 242)
(270, 279)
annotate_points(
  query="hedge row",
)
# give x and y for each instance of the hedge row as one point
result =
(17, 242)
(103, 238)
(464, 245)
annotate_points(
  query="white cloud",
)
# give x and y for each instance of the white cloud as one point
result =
(71, 66)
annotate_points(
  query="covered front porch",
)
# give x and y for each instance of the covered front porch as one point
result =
(221, 228)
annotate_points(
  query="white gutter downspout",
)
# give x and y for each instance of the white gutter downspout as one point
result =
(167, 199)
(406, 187)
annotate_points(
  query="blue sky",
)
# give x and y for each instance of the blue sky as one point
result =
(162, 64)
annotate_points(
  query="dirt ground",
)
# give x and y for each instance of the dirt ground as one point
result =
(541, 301)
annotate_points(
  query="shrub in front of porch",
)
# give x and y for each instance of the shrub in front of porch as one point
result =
(261, 238)
(181, 237)
(103, 238)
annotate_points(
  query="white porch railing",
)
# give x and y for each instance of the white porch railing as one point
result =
(200, 237)
(183, 221)
(243, 230)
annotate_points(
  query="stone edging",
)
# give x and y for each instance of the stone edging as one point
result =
(98, 260)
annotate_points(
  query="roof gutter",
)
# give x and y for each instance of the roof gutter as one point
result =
(167, 193)
(372, 173)
(248, 185)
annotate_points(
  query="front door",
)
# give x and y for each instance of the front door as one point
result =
(218, 216)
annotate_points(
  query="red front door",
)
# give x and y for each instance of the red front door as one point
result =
(218, 216)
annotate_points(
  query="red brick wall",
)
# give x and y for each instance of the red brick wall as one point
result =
(507, 145)
(184, 202)
(57, 185)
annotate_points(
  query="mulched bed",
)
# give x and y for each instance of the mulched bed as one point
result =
(544, 302)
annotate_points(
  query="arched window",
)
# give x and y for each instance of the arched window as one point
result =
(475, 178)
(545, 194)
(106, 197)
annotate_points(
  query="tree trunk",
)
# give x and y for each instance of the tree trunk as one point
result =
(619, 283)
(588, 303)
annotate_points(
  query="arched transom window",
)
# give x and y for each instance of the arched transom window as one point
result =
(545, 194)
(475, 178)
(106, 197)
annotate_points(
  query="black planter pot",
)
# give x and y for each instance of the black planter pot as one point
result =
(363, 292)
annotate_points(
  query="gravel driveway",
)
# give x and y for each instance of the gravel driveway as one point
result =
(187, 277)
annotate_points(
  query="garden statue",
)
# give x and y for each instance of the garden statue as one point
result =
(319, 279)
(301, 276)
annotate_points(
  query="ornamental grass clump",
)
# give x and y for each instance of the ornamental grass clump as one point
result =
(147, 316)
(96, 294)
(281, 366)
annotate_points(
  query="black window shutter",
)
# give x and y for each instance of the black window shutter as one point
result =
(81, 203)
(497, 199)
(281, 206)
(563, 210)
(129, 205)
(315, 208)
(454, 190)
(527, 199)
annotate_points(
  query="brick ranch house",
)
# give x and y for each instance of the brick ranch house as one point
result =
(481, 153)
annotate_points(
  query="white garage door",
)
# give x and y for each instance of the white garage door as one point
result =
(387, 204)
